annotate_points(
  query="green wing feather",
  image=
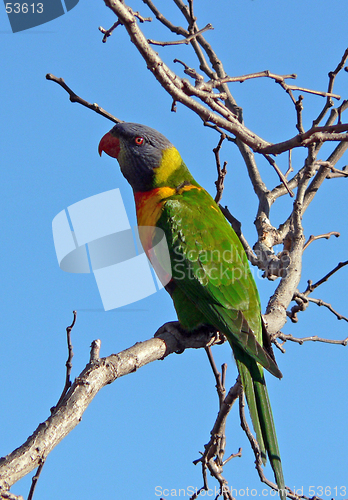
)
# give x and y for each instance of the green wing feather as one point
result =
(213, 285)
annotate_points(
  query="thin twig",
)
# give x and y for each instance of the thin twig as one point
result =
(212, 458)
(280, 174)
(312, 286)
(109, 32)
(185, 40)
(168, 24)
(231, 79)
(302, 300)
(220, 131)
(68, 363)
(75, 98)
(311, 91)
(312, 338)
(218, 378)
(332, 77)
(35, 479)
(322, 173)
(141, 18)
(193, 19)
(320, 236)
(234, 455)
(335, 172)
(197, 493)
(299, 109)
(278, 79)
(219, 183)
(191, 72)
(336, 114)
(95, 351)
(320, 303)
(290, 169)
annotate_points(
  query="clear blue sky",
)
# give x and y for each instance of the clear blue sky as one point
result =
(146, 429)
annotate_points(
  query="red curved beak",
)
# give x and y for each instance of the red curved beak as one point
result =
(110, 145)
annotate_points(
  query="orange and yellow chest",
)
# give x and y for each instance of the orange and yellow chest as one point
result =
(149, 208)
(149, 205)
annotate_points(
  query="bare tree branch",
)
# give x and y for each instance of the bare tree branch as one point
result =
(312, 286)
(68, 364)
(332, 77)
(185, 40)
(320, 303)
(109, 32)
(221, 171)
(320, 236)
(90, 381)
(337, 173)
(280, 174)
(212, 458)
(278, 79)
(76, 98)
(302, 300)
(35, 479)
(312, 338)
(182, 91)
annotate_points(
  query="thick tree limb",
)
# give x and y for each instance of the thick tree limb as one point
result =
(91, 380)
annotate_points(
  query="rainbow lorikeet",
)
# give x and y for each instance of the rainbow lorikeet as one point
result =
(211, 282)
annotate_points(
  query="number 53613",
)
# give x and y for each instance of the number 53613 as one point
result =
(24, 8)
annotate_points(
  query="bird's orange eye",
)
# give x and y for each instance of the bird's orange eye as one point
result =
(139, 141)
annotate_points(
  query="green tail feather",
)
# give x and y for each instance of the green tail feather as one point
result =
(255, 389)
